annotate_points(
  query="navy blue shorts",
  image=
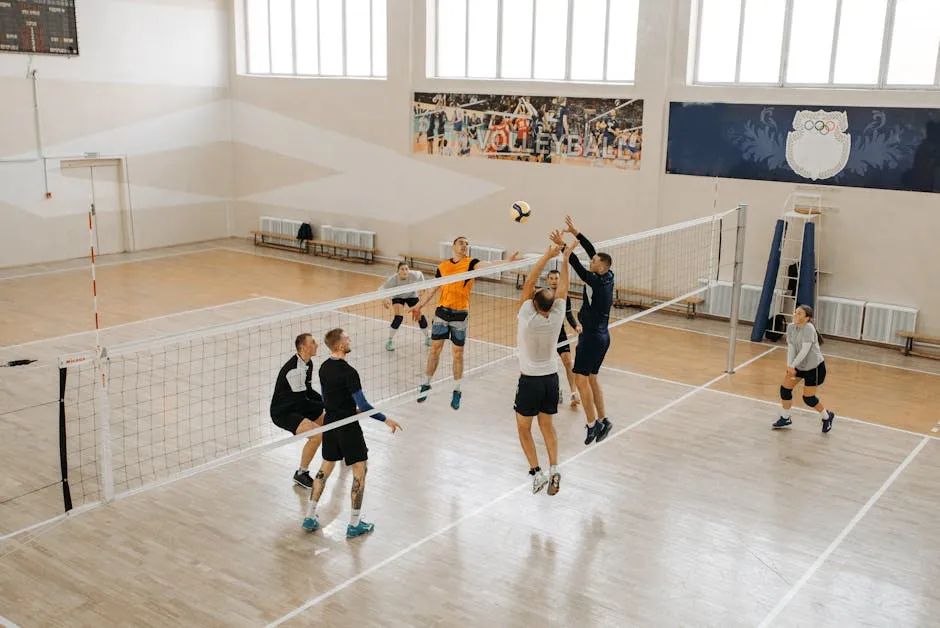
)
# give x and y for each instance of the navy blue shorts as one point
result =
(589, 355)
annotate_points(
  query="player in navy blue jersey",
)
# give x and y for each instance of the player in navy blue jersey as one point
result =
(594, 339)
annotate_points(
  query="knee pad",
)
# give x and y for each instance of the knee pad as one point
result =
(423, 323)
(397, 321)
(786, 393)
(812, 402)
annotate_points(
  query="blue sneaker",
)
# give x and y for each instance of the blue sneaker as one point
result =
(455, 400)
(827, 422)
(311, 524)
(423, 393)
(603, 429)
(358, 530)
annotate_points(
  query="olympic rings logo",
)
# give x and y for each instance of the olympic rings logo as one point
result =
(823, 128)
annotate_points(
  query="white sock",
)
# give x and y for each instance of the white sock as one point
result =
(457, 385)
(427, 380)
(824, 413)
(355, 517)
(391, 332)
(591, 424)
(553, 469)
(575, 395)
(304, 470)
(311, 509)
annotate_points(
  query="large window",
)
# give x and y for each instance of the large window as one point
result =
(316, 37)
(859, 43)
(551, 40)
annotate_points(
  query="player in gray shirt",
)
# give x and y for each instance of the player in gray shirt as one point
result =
(402, 277)
(804, 362)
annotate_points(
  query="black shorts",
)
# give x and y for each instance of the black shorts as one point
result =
(345, 443)
(537, 394)
(592, 347)
(563, 337)
(410, 301)
(290, 418)
(813, 377)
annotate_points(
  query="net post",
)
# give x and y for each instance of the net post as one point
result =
(736, 283)
(105, 468)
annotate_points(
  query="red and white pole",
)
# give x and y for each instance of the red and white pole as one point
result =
(105, 469)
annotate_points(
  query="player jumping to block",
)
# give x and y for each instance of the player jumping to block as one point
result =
(594, 339)
(564, 351)
(451, 315)
(296, 406)
(404, 276)
(541, 316)
(343, 397)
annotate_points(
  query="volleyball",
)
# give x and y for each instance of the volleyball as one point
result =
(520, 211)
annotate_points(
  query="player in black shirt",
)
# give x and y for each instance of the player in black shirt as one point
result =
(564, 351)
(594, 339)
(343, 397)
(296, 406)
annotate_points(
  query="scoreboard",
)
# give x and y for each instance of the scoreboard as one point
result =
(38, 27)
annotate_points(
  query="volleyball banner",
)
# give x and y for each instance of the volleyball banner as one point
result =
(600, 132)
(888, 148)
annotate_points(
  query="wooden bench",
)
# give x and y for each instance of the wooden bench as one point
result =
(641, 298)
(911, 337)
(325, 248)
(263, 238)
(332, 250)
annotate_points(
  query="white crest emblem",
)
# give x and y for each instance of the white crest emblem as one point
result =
(818, 146)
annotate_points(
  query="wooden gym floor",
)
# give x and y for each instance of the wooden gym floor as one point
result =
(692, 513)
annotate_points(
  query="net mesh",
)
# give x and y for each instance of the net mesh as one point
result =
(185, 401)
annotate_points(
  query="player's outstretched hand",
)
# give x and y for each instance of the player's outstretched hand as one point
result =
(570, 226)
(387, 303)
(393, 425)
(515, 256)
(557, 237)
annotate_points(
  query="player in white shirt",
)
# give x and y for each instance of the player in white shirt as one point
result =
(541, 315)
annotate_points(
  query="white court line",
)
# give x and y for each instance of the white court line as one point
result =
(143, 320)
(786, 599)
(825, 354)
(6, 623)
(350, 581)
(770, 403)
(50, 521)
(106, 264)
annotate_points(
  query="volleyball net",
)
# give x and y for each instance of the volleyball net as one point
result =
(139, 414)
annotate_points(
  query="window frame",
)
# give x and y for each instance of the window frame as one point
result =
(246, 40)
(885, 58)
(433, 7)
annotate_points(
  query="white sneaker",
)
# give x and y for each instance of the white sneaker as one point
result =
(538, 482)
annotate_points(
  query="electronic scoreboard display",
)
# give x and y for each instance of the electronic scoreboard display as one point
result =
(38, 27)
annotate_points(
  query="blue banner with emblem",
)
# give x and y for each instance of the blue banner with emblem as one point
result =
(868, 147)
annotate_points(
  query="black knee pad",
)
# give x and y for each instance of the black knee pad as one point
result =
(786, 393)
(423, 323)
(397, 321)
(812, 402)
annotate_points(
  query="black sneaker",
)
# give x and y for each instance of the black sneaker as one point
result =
(302, 478)
(782, 422)
(591, 433)
(423, 393)
(603, 429)
(827, 423)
